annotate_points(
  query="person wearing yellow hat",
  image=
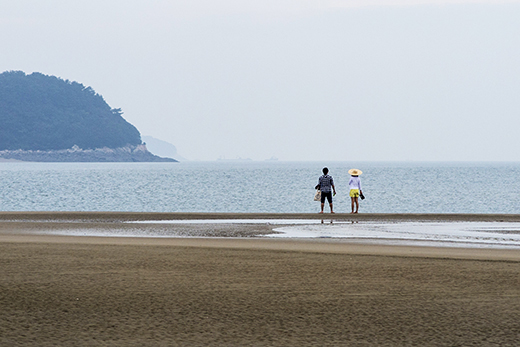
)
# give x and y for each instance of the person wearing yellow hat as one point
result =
(355, 189)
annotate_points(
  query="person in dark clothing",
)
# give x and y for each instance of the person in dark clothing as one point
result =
(326, 185)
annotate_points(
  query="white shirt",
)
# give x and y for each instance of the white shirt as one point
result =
(354, 183)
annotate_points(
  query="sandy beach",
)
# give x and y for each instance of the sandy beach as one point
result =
(238, 289)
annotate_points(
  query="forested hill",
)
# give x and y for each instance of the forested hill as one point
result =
(39, 112)
(45, 118)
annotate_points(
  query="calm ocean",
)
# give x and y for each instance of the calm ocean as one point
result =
(257, 187)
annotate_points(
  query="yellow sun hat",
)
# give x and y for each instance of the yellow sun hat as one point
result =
(355, 172)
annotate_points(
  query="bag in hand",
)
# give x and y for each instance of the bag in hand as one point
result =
(317, 196)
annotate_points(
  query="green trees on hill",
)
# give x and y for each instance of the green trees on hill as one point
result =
(40, 112)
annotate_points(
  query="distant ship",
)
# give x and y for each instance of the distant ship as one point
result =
(272, 159)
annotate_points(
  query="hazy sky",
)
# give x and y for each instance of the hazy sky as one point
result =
(294, 79)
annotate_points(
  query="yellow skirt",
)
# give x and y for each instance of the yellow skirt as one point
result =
(354, 193)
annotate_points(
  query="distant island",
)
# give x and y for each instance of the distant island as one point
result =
(162, 148)
(45, 118)
(235, 160)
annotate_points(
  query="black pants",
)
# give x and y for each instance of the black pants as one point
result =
(327, 195)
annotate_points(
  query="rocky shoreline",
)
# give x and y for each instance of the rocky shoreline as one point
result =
(75, 154)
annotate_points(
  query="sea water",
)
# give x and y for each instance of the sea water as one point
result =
(277, 187)
(504, 235)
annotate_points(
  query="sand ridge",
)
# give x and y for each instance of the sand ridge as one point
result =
(139, 216)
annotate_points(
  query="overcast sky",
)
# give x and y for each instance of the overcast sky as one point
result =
(293, 79)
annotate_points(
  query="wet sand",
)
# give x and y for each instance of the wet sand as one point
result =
(247, 291)
(140, 216)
